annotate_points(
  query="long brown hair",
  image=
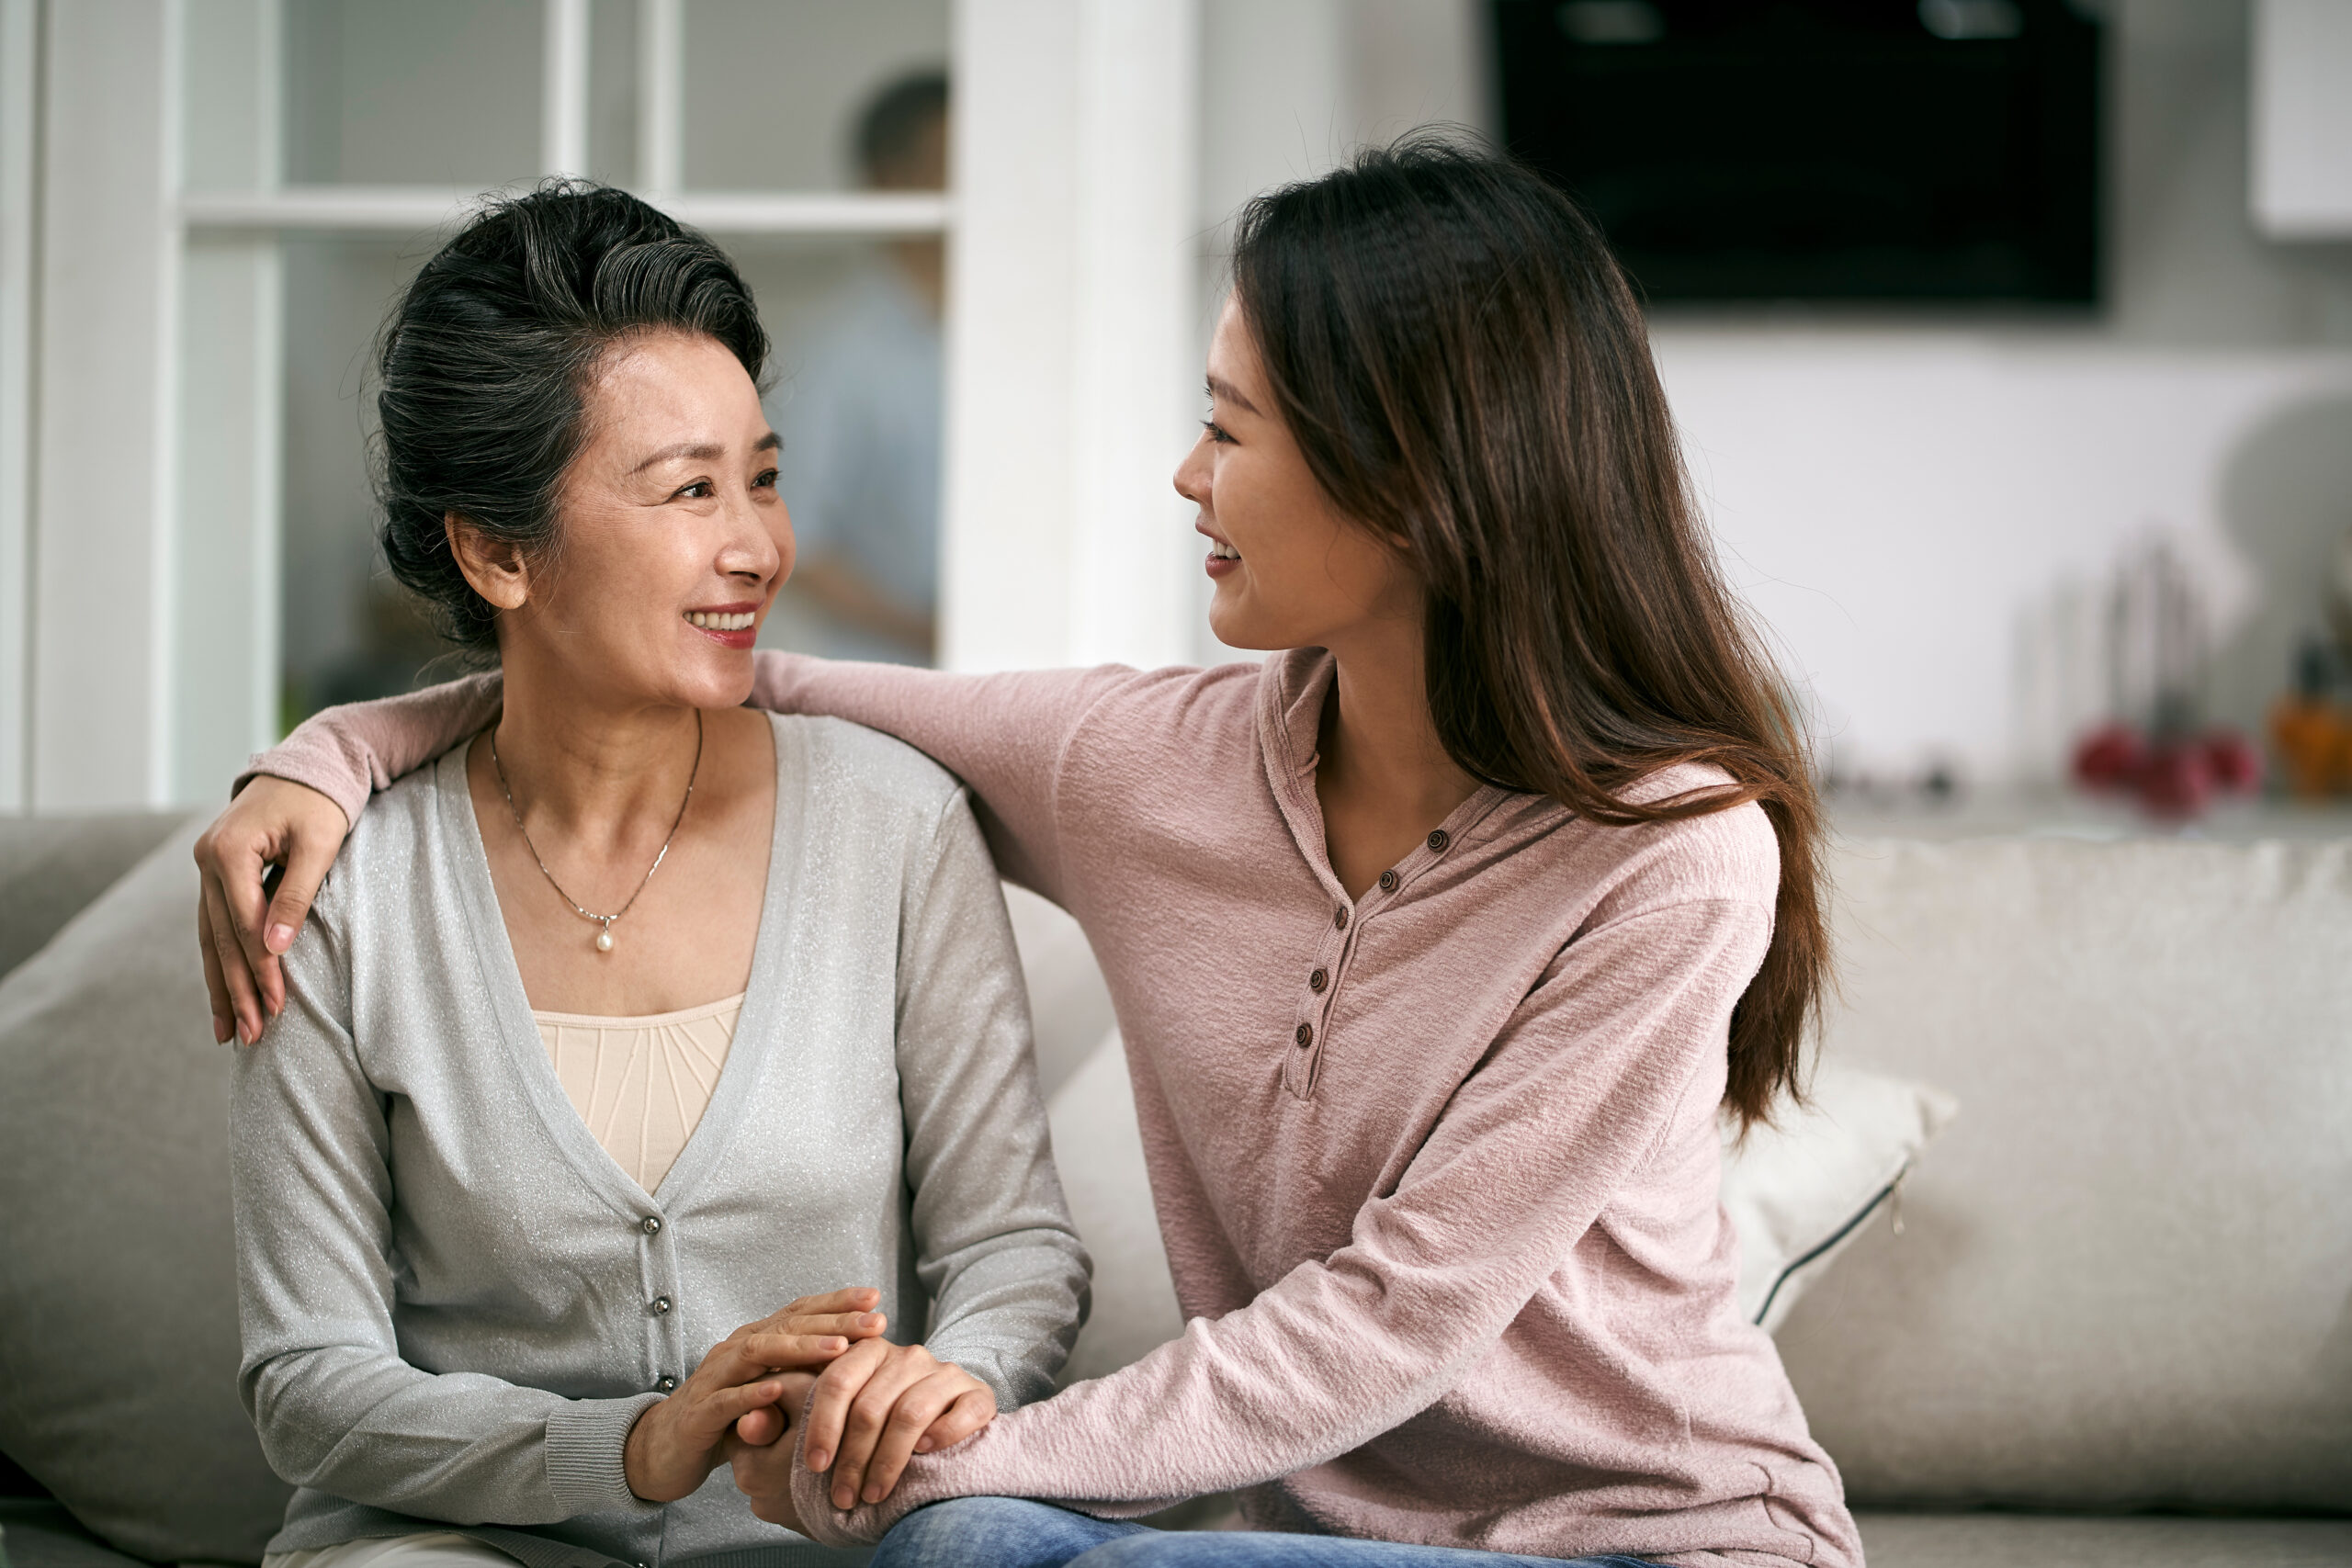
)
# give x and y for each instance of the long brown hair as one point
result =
(1468, 372)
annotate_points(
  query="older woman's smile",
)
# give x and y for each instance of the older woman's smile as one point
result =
(735, 626)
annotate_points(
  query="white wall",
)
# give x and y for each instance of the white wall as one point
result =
(1074, 132)
(1923, 510)
(1288, 88)
(1925, 521)
(102, 520)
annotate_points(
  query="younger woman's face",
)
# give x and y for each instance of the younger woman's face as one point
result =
(1290, 570)
(672, 540)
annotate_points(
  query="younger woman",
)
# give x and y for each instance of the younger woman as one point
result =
(1439, 940)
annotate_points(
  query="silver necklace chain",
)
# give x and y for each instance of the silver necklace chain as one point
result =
(603, 937)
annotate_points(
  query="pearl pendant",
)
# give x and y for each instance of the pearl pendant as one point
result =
(605, 940)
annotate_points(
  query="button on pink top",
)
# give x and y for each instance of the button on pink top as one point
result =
(1446, 1229)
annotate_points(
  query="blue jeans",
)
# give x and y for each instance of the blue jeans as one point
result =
(1007, 1532)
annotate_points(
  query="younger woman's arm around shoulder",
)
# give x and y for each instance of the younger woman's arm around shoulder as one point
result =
(292, 808)
(1004, 734)
(994, 1245)
(336, 1406)
(350, 752)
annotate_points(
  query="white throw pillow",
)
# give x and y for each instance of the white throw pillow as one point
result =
(1099, 1148)
(1798, 1192)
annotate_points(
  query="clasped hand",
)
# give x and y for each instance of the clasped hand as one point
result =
(877, 1405)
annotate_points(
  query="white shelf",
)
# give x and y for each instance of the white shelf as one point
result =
(409, 208)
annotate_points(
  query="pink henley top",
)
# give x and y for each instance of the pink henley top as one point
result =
(1436, 1167)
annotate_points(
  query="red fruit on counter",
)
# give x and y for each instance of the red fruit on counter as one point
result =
(2110, 757)
(2176, 780)
(2236, 765)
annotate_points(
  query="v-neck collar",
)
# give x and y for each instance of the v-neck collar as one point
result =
(763, 1002)
(1291, 690)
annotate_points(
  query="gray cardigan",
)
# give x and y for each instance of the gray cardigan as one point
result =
(455, 1304)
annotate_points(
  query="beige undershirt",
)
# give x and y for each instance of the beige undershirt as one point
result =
(641, 1084)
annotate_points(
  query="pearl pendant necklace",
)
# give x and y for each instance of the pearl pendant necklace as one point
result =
(605, 935)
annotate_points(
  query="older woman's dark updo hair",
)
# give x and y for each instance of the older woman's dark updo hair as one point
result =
(485, 362)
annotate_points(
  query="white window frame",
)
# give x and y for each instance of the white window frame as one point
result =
(139, 535)
(19, 120)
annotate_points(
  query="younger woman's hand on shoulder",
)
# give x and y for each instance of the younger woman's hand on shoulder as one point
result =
(880, 1404)
(240, 928)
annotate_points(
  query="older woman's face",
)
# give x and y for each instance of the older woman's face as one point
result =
(672, 540)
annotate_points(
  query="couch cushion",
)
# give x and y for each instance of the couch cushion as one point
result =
(119, 1303)
(40, 1533)
(2044, 1540)
(51, 866)
(1068, 1004)
(1098, 1148)
(2126, 1279)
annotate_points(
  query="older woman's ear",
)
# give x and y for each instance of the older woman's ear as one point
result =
(494, 567)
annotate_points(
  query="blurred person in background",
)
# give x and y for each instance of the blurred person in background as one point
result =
(860, 413)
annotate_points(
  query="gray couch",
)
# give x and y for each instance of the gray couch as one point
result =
(2115, 1329)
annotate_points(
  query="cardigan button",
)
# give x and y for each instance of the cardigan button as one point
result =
(1317, 981)
(651, 1224)
(1305, 1036)
(1388, 882)
(665, 1385)
(1339, 919)
(1439, 839)
(661, 1307)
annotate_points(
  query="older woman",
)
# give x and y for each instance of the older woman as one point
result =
(639, 1015)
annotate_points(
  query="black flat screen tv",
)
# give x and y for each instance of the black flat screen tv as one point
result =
(1820, 150)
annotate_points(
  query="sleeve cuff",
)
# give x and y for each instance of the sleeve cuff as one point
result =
(586, 1439)
(867, 1523)
(772, 681)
